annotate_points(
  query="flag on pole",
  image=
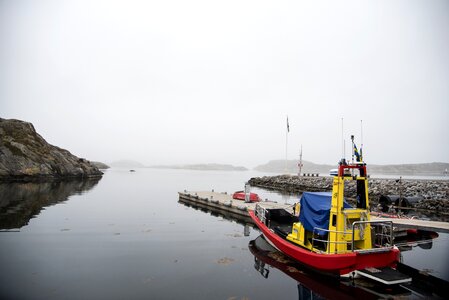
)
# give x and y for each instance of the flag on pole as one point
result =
(288, 126)
(356, 153)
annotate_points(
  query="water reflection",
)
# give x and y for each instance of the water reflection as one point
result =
(312, 285)
(216, 212)
(415, 238)
(21, 201)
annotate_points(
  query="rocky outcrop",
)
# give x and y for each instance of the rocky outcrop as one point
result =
(126, 164)
(25, 155)
(291, 166)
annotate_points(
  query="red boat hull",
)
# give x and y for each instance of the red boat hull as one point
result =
(331, 263)
(253, 197)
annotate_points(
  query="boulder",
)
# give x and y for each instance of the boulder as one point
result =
(25, 155)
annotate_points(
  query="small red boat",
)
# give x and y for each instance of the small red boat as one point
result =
(240, 195)
(328, 234)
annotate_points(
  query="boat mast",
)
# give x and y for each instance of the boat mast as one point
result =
(300, 162)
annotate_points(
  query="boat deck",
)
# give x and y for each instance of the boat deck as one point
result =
(386, 276)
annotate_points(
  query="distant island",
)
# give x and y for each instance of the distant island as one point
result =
(132, 164)
(430, 169)
(126, 164)
(25, 155)
(280, 167)
(203, 167)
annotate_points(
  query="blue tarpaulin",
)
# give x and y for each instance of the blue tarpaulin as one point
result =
(315, 208)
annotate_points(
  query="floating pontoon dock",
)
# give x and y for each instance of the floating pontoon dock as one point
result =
(224, 202)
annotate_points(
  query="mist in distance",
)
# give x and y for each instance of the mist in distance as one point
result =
(175, 82)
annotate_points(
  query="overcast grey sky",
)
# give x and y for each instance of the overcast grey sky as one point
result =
(166, 82)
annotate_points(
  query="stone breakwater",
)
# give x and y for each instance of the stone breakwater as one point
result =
(434, 193)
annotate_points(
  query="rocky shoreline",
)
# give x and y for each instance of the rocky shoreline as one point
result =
(434, 194)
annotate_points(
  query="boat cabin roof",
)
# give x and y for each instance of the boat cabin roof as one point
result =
(315, 210)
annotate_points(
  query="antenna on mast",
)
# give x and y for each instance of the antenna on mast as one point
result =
(342, 140)
(286, 145)
(300, 162)
(361, 140)
(352, 142)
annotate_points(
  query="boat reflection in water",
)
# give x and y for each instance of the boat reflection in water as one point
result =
(312, 285)
(21, 201)
(415, 238)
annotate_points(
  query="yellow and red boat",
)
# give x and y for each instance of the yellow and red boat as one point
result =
(327, 234)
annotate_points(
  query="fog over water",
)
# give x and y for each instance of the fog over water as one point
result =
(171, 82)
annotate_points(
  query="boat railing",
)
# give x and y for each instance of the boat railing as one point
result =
(260, 213)
(317, 232)
(383, 235)
(382, 239)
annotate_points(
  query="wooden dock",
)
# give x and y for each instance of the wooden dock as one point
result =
(223, 202)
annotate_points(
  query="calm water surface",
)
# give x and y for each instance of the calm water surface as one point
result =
(127, 237)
